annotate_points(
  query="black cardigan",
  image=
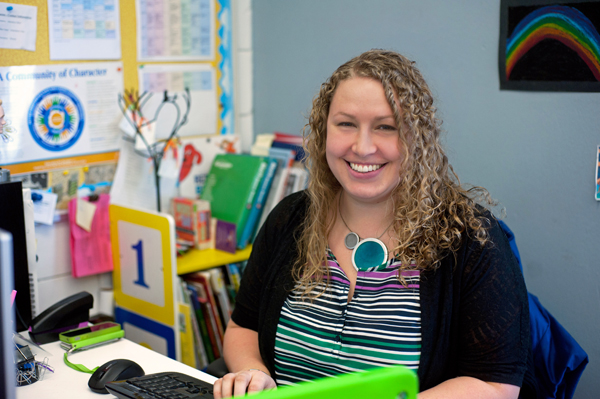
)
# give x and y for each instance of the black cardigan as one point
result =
(474, 309)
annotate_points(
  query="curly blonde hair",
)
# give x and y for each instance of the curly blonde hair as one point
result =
(432, 209)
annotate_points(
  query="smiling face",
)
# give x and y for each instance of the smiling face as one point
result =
(363, 150)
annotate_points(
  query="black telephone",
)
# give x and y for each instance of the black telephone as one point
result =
(62, 316)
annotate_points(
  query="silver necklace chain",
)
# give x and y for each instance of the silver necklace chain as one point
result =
(345, 224)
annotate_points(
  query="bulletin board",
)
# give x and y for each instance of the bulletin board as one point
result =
(95, 169)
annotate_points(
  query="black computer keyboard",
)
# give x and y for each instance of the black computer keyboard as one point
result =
(169, 385)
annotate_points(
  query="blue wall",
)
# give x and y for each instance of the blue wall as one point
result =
(533, 151)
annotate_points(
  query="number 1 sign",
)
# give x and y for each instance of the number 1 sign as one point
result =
(145, 268)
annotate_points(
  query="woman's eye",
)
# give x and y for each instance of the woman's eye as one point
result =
(387, 127)
(348, 124)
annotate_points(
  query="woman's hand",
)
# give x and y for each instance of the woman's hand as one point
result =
(237, 384)
(241, 354)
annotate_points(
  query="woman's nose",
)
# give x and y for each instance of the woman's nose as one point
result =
(364, 144)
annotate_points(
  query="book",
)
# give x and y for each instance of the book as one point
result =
(203, 279)
(199, 347)
(204, 339)
(259, 203)
(262, 144)
(192, 222)
(233, 271)
(287, 138)
(207, 331)
(229, 284)
(297, 180)
(186, 336)
(285, 159)
(221, 296)
(289, 141)
(196, 351)
(302, 173)
(225, 236)
(231, 185)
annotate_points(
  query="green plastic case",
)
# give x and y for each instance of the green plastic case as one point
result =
(396, 382)
(88, 333)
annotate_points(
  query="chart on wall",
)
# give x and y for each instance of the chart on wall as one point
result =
(199, 79)
(181, 30)
(60, 111)
(84, 30)
(549, 45)
(171, 31)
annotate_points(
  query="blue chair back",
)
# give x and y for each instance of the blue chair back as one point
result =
(558, 360)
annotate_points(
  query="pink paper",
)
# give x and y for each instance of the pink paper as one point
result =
(91, 253)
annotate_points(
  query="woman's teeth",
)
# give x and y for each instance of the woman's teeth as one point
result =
(364, 168)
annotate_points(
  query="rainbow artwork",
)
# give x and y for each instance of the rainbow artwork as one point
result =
(559, 23)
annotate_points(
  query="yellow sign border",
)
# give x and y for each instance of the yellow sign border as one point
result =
(166, 226)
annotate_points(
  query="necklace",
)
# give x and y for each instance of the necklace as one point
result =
(366, 253)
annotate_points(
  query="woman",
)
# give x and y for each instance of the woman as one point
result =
(322, 295)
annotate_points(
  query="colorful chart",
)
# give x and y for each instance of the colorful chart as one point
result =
(174, 30)
(56, 119)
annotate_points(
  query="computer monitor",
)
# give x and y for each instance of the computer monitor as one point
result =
(7, 315)
(12, 219)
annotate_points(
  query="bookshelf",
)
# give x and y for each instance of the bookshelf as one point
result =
(180, 306)
(197, 260)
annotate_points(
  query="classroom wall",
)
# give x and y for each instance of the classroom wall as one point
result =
(535, 152)
(55, 281)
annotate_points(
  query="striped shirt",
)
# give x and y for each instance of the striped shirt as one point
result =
(381, 325)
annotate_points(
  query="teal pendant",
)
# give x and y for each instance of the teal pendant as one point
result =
(369, 253)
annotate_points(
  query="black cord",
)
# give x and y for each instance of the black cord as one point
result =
(18, 314)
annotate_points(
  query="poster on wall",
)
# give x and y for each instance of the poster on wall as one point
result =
(198, 156)
(84, 30)
(68, 177)
(22, 21)
(175, 30)
(598, 175)
(550, 45)
(199, 79)
(60, 111)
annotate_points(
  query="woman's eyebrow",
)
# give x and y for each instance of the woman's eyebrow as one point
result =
(377, 118)
(380, 118)
(341, 113)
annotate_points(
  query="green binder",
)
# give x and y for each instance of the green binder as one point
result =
(231, 185)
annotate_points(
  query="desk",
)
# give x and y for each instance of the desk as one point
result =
(67, 383)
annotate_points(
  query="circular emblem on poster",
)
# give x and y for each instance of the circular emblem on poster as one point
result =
(56, 119)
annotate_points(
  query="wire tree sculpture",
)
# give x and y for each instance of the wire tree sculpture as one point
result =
(132, 104)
